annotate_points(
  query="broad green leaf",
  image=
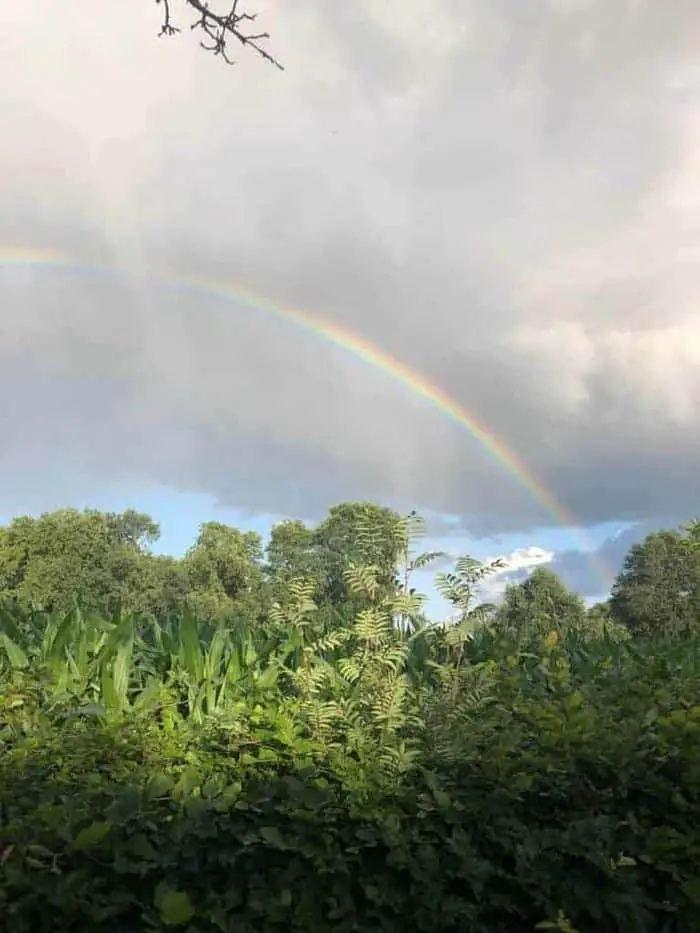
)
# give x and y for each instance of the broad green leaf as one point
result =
(7, 623)
(214, 654)
(109, 693)
(231, 793)
(268, 678)
(234, 667)
(691, 889)
(66, 632)
(141, 846)
(176, 908)
(190, 646)
(159, 786)
(150, 696)
(120, 635)
(15, 655)
(92, 835)
(272, 836)
(188, 781)
(121, 672)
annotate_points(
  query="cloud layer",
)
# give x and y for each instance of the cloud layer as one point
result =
(503, 197)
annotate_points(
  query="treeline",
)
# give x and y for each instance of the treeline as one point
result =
(102, 561)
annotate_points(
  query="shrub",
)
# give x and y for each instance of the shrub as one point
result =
(574, 799)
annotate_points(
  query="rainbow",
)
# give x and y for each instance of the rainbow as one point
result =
(415, 382)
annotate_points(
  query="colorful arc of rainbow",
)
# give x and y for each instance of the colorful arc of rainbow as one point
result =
(415, 382)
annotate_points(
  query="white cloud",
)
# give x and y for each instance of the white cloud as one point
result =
(517, 565)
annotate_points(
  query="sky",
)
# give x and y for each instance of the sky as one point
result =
(502, 198)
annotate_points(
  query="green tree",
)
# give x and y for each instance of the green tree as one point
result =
(224, 573)
(132, 528)
(691, 539)
(658, 589)
(159, 589)
(600, 623)
(541, 603)
(291, 553)
(359, 534)
(65, 556)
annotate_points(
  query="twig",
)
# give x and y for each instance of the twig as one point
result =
(219, 29)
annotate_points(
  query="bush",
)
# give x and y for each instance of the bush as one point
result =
(574, 799)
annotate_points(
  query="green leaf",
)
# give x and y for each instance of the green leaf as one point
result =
(441, 798)
(272, 836)
(691, 889)
(190, 646)
(15, 655)
(189, 780)
(93, 709)
(176, 908)
(121, 637)
(121, 673)
(141, 846)
(268, 678)
(211, 788)
(150, 696)
(231, 793)
(7, 622)
(159, 786)
(92, 835)
(40, 851)
(124, 807)
(109, 693)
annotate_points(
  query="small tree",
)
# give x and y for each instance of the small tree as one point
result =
(541, 603)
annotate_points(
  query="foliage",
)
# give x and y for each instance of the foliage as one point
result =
(574, 794)
(315, 756)
(541, 603)
(356, 533)
(223, 572)
(658, 589)
(65, 556)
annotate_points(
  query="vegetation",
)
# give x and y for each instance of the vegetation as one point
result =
(250, 740)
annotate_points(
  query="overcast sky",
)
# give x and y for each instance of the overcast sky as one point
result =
(503, 196)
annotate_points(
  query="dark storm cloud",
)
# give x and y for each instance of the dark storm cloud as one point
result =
(502, 196)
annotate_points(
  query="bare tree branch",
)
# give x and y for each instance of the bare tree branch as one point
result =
(219, 29)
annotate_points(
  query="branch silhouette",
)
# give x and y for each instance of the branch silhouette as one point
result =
(220, 28)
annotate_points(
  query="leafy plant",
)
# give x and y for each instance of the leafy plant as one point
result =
(354, 769)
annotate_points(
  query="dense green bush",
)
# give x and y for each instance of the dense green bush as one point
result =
(306, 769)
(575, 794)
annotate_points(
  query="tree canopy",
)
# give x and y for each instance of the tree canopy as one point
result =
(658, 589)
(103, 560)
(543, 603)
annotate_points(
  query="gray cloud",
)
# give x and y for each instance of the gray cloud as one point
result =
(577, 571)
(502, 197)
